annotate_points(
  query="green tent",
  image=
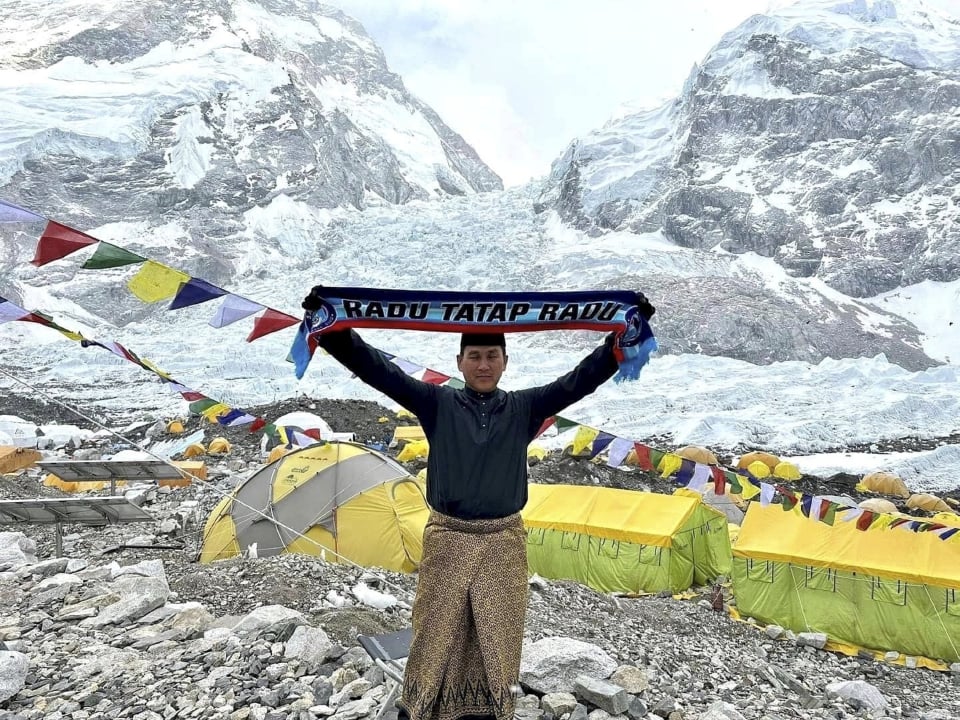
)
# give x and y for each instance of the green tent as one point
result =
(622, 540)
(882, 589)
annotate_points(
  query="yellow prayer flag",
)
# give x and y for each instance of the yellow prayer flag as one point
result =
(583, 439)
(750, 490)
(75, 336)
(881, 522)
(155, 281)
(669, 465)
(215, 411)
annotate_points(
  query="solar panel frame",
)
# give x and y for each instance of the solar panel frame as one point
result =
(92, 511)
(101, 470)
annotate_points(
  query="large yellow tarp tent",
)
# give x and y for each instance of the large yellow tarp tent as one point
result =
(334, 500)
(884, 589)
(624, 541)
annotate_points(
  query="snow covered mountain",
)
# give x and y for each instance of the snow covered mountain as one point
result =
(825, 135)
(144, 107)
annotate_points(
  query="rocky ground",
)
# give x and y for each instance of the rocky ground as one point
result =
(168, 639)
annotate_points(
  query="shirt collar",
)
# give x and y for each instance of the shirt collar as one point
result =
(471, 393)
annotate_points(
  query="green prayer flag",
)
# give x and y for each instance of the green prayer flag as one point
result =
(734, 481)
(198, 406)
(562, 423)
(831, 515)
(655, 457)
(455, 383)
(110, 256)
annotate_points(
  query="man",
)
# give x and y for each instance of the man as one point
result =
(468, 616)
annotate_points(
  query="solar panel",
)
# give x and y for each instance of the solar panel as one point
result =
(90, 470)
(95, 511)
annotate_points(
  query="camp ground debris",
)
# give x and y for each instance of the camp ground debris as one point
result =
(624, 541)
(891, 589)
(343, 497)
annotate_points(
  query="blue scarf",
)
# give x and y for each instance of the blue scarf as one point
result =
(481, 312)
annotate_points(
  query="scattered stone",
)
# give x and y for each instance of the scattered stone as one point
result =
(631, 678)
(859, 695)
(308, 644)
(774, 632)
(722, 711)
(814, 640)
(602, 694)
(552, 664)
(13, 673)
(558, 704)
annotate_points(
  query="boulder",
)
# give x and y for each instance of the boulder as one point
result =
(551, 665)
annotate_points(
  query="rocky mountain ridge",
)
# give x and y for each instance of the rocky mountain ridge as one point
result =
(824, 136)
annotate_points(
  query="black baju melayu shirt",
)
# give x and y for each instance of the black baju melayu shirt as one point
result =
(477, 466)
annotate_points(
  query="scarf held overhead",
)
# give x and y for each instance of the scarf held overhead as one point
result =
(617, 311)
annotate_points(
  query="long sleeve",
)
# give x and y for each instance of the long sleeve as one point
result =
(546, 400)
(373, 368)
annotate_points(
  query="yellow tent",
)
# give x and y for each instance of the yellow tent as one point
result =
(885, 483)
(624, 541)
(407, 433)
(879, 505)
(16, 458)
(925, 501)
(697, 454)
(331, 499)
(771, 461)
(885, 589)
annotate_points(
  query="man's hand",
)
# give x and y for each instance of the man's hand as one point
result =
(646, 309)
(313, 301)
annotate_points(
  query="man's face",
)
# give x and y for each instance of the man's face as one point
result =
(482, 366)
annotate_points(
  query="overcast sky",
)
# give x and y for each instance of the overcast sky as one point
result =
(519, 79)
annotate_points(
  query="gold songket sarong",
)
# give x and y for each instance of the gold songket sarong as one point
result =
(467, 619)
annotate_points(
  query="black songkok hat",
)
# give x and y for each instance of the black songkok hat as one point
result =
(483, 340)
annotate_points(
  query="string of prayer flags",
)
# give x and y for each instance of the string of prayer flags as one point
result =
(10, 213)
(107, 255)
(270, 322)
(57, 241)
(213, 410)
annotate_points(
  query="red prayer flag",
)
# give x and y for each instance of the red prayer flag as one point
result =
(434, 378)
(719, 480)
(35, 318)
(192, 395)
(549, 422)
(271, 321)
(824, 508)
(257, 424)
(643, 456)
(865, 520)
(58, 241)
